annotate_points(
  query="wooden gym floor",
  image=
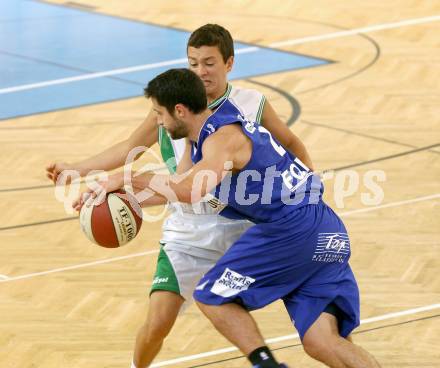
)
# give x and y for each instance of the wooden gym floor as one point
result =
(67, 303)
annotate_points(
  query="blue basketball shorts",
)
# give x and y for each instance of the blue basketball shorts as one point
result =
(301, 259)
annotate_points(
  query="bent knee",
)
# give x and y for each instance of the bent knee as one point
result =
(317, 347)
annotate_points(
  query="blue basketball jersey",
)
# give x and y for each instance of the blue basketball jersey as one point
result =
(274, 182)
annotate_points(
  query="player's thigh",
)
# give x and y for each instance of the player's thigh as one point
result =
(164, 306)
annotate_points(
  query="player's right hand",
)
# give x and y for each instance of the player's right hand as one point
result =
(54, 171)
(81, 201)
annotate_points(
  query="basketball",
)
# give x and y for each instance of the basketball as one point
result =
(114, 222)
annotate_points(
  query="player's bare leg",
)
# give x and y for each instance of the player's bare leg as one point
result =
(236, 324)
(323, 342)
(162, 313)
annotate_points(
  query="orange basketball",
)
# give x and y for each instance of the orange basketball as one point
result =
(114, 222)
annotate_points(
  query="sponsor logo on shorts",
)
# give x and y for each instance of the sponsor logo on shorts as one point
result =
(160, 280)
(332, 247)
(231, 283)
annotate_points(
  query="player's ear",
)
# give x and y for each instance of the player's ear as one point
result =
(229, 63)
(179, 110)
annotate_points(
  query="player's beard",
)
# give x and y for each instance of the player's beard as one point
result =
(179, 131)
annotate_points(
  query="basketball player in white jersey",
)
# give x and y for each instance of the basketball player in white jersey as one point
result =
(191, 243)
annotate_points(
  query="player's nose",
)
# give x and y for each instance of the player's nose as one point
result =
(200, 70)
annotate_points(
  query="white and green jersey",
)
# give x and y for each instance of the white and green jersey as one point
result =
(251, 104)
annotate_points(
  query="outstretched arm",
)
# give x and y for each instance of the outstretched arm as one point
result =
(225, 150)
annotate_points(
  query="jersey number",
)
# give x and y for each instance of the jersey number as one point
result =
(280, 150)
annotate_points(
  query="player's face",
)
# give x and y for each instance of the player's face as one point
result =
(175, 127)
(207, 62)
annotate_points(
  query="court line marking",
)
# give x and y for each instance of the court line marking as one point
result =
(350, 32)
(392, 204)
(293, 336)
(82, 265)
(4, 277)
(367, 29)
(134, 255)
(107, 73)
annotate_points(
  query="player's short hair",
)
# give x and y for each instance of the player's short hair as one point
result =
(178, 86)
(213, 35)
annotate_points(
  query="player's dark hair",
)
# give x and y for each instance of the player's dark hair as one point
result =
(178, 86)
(213, 35)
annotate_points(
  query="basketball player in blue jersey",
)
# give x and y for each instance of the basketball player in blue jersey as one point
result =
(191, 243)
(298, 250)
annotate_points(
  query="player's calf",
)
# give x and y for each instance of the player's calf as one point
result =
(335, 351)
(323, 351)
(162, 313)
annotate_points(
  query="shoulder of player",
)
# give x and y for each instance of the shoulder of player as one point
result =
(237, 92)
(249, 101)
(226, 136)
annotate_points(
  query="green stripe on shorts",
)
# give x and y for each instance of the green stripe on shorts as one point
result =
(165, 277)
